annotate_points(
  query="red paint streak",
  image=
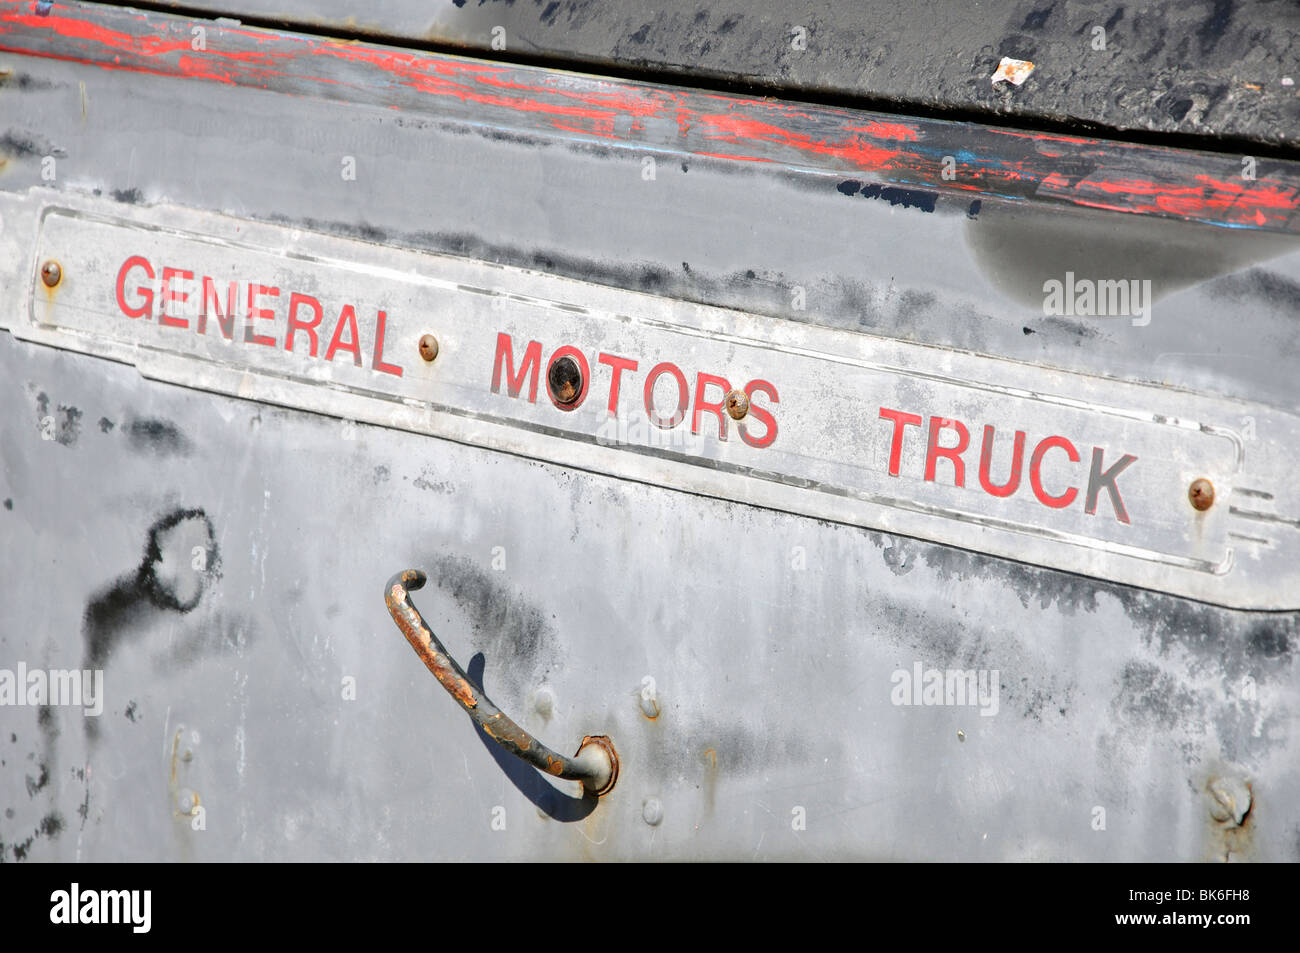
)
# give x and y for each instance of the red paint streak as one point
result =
(1043, 137)
(739, 129)
(888, 130)
(743, 129)
(1260, 203)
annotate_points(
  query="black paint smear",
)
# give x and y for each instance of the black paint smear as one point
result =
(1028, 330)
(9, 504)
(123, 605)
(29, 146)
(130, 196)
(25, 81)
(130, 711)
(158, 436)
(908, 198)
(518, 635)
(67, 430)
(37, 784)
(1261, 285)
(105, 425)
(974, 210)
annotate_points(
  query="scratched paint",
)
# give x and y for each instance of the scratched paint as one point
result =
(1004, 163)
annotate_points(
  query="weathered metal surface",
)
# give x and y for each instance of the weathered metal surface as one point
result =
(925, 154)
(1209, 69)
(596, 762)
(1088, 475)
(249, 706)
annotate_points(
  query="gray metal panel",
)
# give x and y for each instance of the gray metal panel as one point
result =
(773, 640)
(1110, 697)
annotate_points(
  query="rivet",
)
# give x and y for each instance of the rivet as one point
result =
(51, 273)
(961, 735)
(1201, 494)
(428, 347)
(652, 811)
(1229, 799)
(737, 404)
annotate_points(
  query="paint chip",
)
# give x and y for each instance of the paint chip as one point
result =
(1012, 71)
(1287, 81)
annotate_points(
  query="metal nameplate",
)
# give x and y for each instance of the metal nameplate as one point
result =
(1079, 473)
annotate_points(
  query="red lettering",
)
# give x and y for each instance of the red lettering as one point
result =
(933, 451)
(227, 321)
(986, 457)
(1035, 481)
(583, 369)
(900, 420)
(683, 394)
(294, 324)
(168, 295)
(254, 292)
(701, 405)
(515, 382)
(347, 319)
(377, 363)
(619, 365)
(759, 386)
(135, 261)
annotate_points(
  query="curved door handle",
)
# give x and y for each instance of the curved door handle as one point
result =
(596, 762)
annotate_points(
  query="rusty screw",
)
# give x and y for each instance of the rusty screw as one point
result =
(1201, 494)
(737, 404)
(428, 347)
(51, 273)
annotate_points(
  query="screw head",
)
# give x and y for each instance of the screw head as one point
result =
(428, 347)
(51, 273)
(564, 380)
(737, 404)
(1201, 494)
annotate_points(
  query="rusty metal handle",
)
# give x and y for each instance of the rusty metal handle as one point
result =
(596, 762)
